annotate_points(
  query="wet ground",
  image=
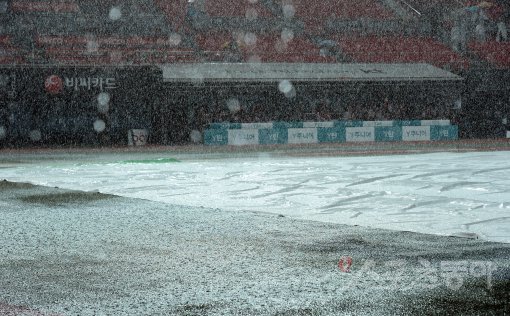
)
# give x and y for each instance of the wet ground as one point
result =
(84, 253)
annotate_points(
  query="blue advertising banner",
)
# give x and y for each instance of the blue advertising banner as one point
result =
(287, 133)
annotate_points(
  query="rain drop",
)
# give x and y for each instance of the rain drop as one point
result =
(233, 105)
(92, 46)
(285, 86)
(3, 132)
(103, 108)
(115, 14)
(291, 94)
(174, 39)
(287, 35)
(280, 46)
(103, 98)
(251, 14)
(103, 102)
(35, 135)
(99, 126)
(195, 136)
(288, 11)
(250, 39)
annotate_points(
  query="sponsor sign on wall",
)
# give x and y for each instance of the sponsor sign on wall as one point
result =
(273, 136)
(257, 125)
(302, 136)
(378, 123)
(331, 135)
(415, 133)
(318, 124)
(388, 134)
(441, 132)
(337, 134)
(55, 84)
(216, 136)
(435, 122)
(138, 137)
(360, 134)
(243, 136)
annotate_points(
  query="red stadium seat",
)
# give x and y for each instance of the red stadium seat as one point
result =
(273, 49)
(496, 54)
(424, 5)
(399, 49)
(175, 10)
(239, 8)
(315, 13)
(213, 41)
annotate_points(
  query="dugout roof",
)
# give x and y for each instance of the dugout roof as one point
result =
(305, 72)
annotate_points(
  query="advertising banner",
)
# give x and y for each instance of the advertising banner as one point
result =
(415, 133)
(270, 136)
(360, 134)
(318, 124)
(388, 134)
(408, 123)
(331, 135)
(273, 136)
(302, 136)
(138, 137)
(243, 136)
(288, 125)
(378, 123)
(441, 132)
(348, 123)
(435, 122)
(268, 125)
(216, 136)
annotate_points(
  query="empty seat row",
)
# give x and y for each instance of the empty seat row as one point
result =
(423, 6)
(341, 9)
(118, 57)
(265, 47)
(495, 53)
(399, 49)
(93, 43)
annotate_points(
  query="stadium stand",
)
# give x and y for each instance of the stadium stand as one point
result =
(224, 8)
(495, 53)
(85, 34)
(316, 14)
(284, 49)
(400, 49)
(251, 47)
(175, 12)
(116, 50)
(422, 7)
